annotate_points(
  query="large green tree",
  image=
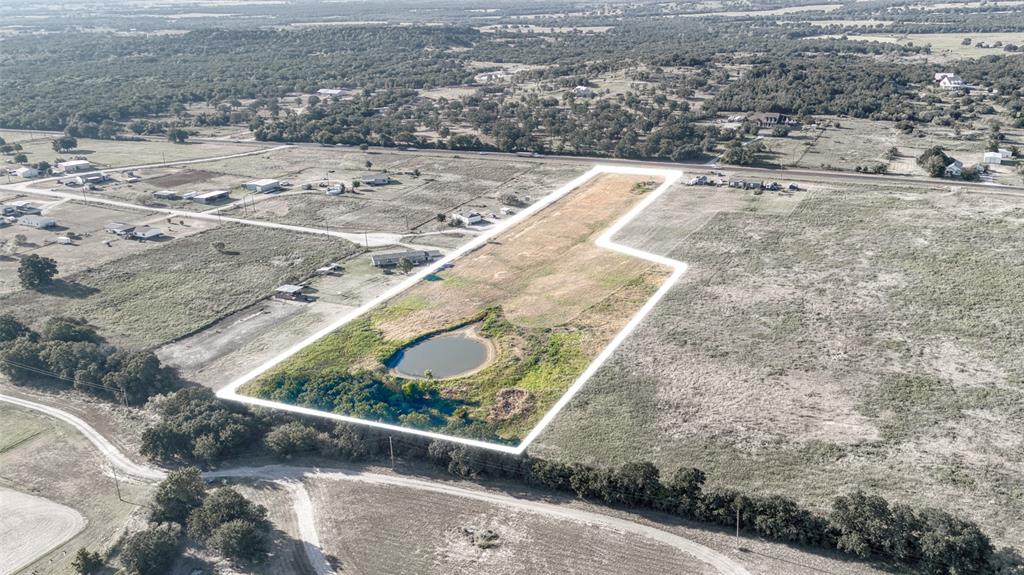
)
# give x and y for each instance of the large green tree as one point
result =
(36, 271)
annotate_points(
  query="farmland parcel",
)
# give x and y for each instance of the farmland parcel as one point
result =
(542, 296)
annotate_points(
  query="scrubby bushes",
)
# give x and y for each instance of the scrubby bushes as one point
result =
(69, 350)
(151, 551)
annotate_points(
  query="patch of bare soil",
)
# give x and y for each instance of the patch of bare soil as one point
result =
(510, 403)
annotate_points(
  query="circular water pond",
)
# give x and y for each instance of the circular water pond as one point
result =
(448, 355)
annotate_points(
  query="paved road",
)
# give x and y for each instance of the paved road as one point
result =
(292, 477)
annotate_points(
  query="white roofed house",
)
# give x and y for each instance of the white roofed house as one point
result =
(951, 81)
(73, 166)
(26, 172)
(955, 169)
(211, 197)
(375, 180)
(582, 91)
(38, 222)
(391, 259)
(146, 233)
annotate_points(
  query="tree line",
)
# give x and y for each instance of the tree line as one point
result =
(862, 525)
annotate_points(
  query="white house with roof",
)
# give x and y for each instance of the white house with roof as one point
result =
(146, 233)
(26, 172)
(950, 81)
(375, 180)
(583, 92)
(38, 222)
(74, 166)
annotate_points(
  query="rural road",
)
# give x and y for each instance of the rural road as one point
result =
(292, 476)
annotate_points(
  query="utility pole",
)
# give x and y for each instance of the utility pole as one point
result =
(117, 485)
(391, 447)
(366, 239)
(737, 524)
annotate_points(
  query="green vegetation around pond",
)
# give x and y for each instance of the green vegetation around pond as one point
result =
(348, 372)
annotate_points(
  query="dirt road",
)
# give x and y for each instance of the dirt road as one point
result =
(292, 477)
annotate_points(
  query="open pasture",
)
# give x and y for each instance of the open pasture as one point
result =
(865, 339)
(175, 287)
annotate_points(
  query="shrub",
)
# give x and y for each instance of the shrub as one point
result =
(182, 491)
(291, 438)
(152, 551)
(241, 540)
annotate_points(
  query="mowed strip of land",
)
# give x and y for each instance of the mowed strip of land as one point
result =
(542, 292)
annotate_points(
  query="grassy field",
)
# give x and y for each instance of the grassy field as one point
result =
(33, 451)
(950, 45)
(867, 339)
(865, 143)
(372, 537)
(542, 293)
(150, 297)
(111, 153)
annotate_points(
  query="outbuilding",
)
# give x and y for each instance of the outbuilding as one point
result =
(26, 172)
(468, 219)
(38, 222)
(290, 291)
(211, 197)
(166, 195)
(992, 158)
(262, 186)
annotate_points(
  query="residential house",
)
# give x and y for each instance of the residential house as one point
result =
(166, 195)
(26, 172)
(468, 219)
(992, 158)
(583, 92)
(291, 291)
(38, 222)
(146, 233)
(119, 229)
(375, 180)
(489, 77)
(415, 256)
(770, 119)
(25, 208)
(950, 81)
(1006, 154)
(91, 179)
(73, 166)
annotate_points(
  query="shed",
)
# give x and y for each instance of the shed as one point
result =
(992, 158)
(26, 172)
(38, 222)
(290, 291)
(166, 195)
(262, 186)
(211, 197)
(468, 219)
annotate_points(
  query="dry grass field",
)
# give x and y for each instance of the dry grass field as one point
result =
(149, 297)
(546, 296)
(112, 153)
(374, 537)
(45, 458)
(866, 339)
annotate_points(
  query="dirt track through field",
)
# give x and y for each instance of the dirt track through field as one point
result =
(30, 526)
(305, 512)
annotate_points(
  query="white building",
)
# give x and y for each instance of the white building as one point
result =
(1005, 153)
(375, 180)
(146, 233)
(73, 166)
(992, 158)
(468, 219)
(952, 82)
(38, 222)
(210, 197)
(26, 172)
(90, 179)
(262, 186)
(489, 77)
(582, 92)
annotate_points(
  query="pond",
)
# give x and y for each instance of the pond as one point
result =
(448, 355)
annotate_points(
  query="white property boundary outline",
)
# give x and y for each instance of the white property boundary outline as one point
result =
(604, 241)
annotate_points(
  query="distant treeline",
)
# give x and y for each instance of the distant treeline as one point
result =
(195, 427)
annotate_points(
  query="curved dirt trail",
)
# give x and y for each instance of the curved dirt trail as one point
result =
(292, 477)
